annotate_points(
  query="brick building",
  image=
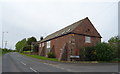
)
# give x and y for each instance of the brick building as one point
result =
(68, 41)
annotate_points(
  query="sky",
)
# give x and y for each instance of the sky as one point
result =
(27, 18)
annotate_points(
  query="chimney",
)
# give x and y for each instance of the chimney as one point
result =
(41, 38)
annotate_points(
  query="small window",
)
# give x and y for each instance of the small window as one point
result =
(87, 30)
(87, 39)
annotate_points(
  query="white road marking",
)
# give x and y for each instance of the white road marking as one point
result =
(23, 63)
(33, 69)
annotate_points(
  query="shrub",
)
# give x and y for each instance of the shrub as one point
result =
(104, 52)
(88, 54)
(100, 52)
(51, 55)
(82, 54)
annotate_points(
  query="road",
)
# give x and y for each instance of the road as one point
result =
(15, 62)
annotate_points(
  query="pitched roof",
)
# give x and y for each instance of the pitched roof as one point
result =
(63, 31)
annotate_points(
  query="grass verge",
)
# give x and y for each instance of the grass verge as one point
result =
(54, 59)
(0, 52)
(40, 57)
(4, 53)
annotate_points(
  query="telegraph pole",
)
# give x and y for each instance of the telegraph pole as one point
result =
(5, 44)
(3, 39)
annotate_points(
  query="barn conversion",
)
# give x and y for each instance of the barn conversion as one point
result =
(68, 41)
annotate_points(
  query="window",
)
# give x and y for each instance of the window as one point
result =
(87, 39)
(40, 45)
(48, 47)
(43, 44)
(87, 30)
(48, 44)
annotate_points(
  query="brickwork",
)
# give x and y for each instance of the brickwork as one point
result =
(75, 41)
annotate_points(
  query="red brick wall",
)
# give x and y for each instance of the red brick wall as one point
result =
(58, 44)
(80, 41)
(84, 27)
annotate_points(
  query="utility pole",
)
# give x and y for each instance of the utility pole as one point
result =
(3, 39)
(5, 44)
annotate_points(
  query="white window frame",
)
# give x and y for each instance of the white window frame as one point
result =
(42, 44)
(87, 39)
(48, 44)
(48, 47)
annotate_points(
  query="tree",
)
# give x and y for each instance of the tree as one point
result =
(114, 39)
(20, 45)
(30, 40)
(104, 52)
(25, 45)
(115, 43)
(27, 48)
(35, 47)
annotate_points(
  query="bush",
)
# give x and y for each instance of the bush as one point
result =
(51, 55)
(88, 54)
(82, 54)
(104, 52)
(100, 52)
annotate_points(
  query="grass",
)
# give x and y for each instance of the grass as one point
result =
(0, 52)
(40, 57)
(4, 53)
(54, 59)
(27, 51)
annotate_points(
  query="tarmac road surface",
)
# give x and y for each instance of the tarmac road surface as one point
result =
(15, 62)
